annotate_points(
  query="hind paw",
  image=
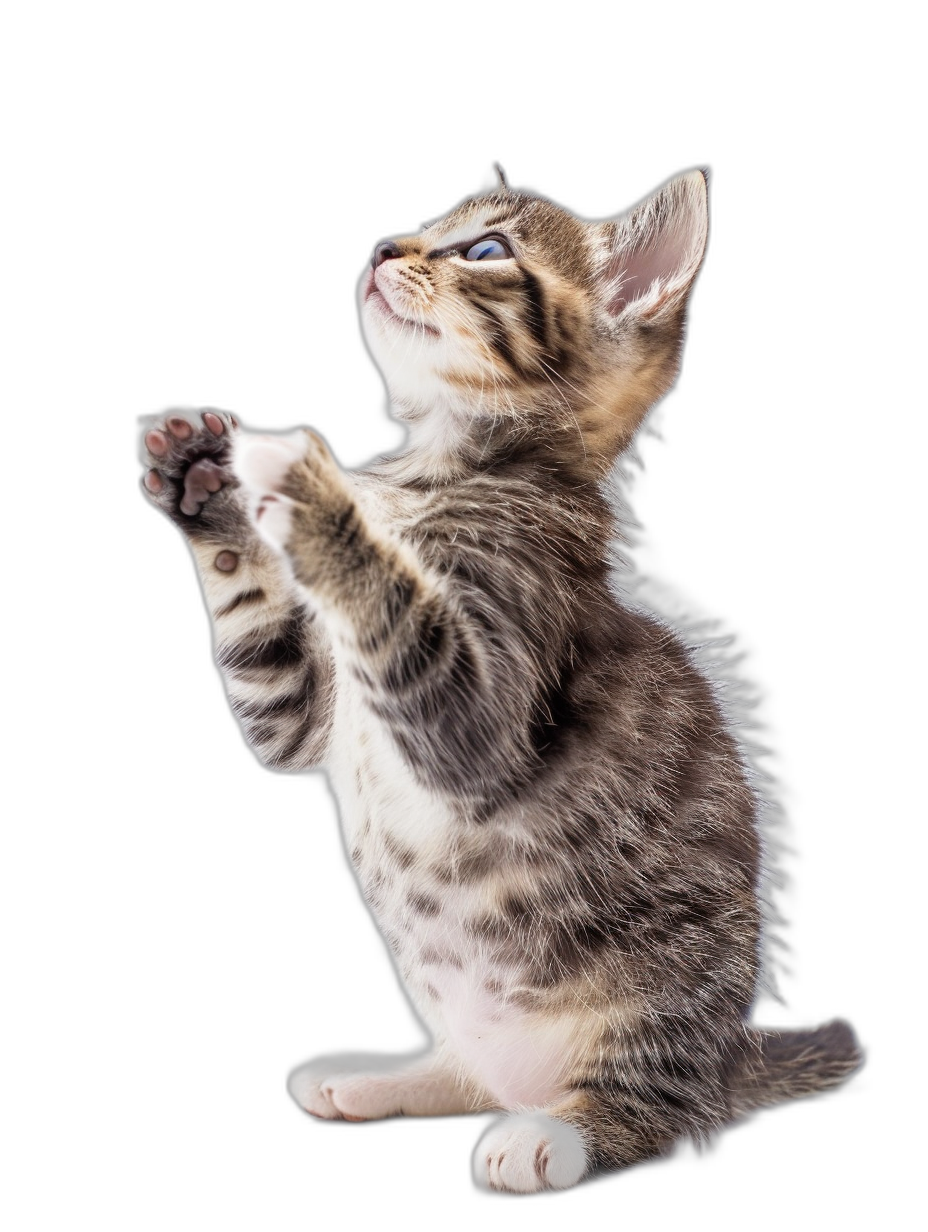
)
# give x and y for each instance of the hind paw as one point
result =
(529, 1152)
(366, 1088)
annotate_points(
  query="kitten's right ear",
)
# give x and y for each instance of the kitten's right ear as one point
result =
(652, 254)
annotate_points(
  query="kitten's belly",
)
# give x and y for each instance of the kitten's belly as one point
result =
(397, 832)
(475, 1000)
(522, 1059)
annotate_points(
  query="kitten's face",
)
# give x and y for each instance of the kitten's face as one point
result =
(472, 307)
(510, 312)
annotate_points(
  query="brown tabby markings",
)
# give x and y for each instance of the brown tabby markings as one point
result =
(403, 855)
(544, 806)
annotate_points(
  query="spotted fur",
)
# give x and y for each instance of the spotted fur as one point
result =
(546, 811)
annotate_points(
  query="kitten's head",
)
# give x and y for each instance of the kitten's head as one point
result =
(509, 325)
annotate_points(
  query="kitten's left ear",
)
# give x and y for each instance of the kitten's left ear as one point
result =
(652, 254)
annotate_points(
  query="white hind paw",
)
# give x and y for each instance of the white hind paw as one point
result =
(340, 1089)
(316, 1094)
(528, 1152)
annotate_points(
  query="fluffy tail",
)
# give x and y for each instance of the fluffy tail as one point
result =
(788, 1064)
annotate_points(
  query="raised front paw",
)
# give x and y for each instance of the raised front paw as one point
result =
(279, 472)
(189, 475)
(528, 1152)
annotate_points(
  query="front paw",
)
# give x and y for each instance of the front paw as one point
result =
(279, 473)
(189, 476)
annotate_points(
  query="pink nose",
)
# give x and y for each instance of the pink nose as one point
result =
(385, 251)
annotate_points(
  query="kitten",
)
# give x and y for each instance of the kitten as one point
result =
(544, 806)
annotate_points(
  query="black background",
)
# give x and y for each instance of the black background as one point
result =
(234, 228)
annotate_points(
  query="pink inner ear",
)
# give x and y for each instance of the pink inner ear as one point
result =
(655, 251)
(638, 267)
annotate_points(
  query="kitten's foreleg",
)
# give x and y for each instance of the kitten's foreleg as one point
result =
(271, 651)
(365, 1088)
(412, 645)
(304, 505)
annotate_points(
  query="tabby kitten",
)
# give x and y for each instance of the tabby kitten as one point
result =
(544, 807)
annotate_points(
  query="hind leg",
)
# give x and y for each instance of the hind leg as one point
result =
(645, 1091)
(555, 1147)
(530, 1151)
(367, 1088)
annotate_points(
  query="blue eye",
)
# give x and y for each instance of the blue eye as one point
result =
(488, 250)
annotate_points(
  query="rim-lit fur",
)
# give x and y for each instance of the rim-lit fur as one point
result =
(546, 811)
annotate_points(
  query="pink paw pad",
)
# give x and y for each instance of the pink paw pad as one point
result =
(180, 428)
(201, 480)
(157, 443)
(188, 457)
(214, 423)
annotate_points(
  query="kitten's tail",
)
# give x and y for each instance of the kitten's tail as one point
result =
(788, 1064)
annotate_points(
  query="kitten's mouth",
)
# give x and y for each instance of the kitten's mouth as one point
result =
(374, 296)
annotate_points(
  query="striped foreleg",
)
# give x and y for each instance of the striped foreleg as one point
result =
(269, 645)
(427, 669)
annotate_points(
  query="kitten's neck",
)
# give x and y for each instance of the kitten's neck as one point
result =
(448, 441)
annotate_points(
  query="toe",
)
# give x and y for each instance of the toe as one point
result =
(156, 443)
(214, 423)
(179, 427)
(154, 483)
(189, 505)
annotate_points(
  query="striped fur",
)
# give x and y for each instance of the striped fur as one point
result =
(545, 809)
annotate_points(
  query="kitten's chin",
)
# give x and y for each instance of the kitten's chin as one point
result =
(384, 317)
